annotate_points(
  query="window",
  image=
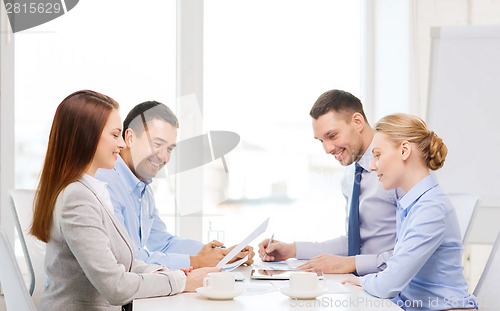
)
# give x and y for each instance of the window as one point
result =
(107, 46)
(265, 64)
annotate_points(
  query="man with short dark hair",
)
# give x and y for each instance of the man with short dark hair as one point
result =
(150, 134)
(340, 124)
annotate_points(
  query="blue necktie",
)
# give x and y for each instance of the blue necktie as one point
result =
(353, 238)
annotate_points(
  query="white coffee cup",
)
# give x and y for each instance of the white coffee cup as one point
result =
(303, 281)
(219, 281)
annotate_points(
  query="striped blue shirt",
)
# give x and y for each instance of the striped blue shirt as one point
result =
(134, 205)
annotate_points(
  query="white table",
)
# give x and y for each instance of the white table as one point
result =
(352, 298)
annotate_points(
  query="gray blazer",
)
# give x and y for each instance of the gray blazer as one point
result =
(90, 260)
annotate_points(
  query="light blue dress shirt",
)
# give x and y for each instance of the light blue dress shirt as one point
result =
(377, 216)
(134, 205)
(425, 271)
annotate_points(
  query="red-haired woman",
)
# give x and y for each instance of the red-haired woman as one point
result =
(89, 258)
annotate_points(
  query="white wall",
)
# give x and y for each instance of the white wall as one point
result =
(386, 58)
(391, 57)
(6, 121)
(396, 60)
(190, 95)
(431, 13)
(397, 51)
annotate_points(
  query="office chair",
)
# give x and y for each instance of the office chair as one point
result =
(486, 289)
(33, 249)
(465, 206)
(13, 285)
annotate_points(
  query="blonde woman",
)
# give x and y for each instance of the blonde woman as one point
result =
(425, 272)
(89, 257)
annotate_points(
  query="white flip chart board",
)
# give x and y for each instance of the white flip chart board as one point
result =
(464, 108)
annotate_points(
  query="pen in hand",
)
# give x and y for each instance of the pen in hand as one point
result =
(214, 246)
(268, 243)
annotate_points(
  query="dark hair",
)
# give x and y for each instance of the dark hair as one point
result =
(76, 129)
(338, 101)
(143, 113)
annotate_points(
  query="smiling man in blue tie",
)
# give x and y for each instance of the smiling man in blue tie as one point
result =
(340, 124)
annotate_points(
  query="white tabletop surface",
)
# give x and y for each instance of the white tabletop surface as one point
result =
(265, 295)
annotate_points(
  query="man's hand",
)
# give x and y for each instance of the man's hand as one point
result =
(209, 255)
(277, 251)
(247, 250)
(250, 253)
(330, 264)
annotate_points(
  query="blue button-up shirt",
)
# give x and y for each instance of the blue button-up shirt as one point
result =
(425, 271)
(134, 205)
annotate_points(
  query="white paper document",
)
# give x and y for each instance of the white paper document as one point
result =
(273, 265)
(290, 264)
(258, 231)
(231, 266)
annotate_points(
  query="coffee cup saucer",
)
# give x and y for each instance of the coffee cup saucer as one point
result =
(309, 294)
(219, 295)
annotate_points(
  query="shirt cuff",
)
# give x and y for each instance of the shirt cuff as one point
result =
(152, 268)
(362, 282)
(177, 279)
(366, 264)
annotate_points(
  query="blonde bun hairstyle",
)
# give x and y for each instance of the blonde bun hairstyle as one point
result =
(404, 127)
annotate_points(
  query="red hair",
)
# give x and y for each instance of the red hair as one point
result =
(77, 127)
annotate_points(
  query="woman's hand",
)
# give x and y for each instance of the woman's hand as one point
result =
(194, 278)
(353, 280)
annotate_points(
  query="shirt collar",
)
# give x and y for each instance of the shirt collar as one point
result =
(128, 176)
(100, 187)
(365, 160)
(409, 199)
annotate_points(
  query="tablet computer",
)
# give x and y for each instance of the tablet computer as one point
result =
(265, 274)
